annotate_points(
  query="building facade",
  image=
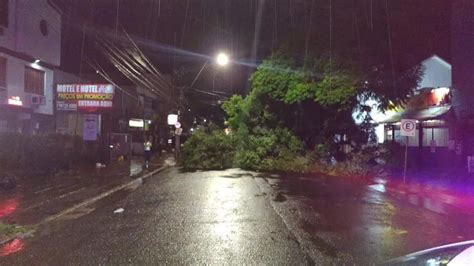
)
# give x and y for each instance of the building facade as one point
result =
(437, 73)
(30, 50)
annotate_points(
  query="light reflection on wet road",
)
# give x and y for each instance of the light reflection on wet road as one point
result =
(240, 217)
(371, 222)
(12, 247)
(8, 207)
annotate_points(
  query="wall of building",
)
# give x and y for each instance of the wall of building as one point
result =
(16, 83)
(437, 73)
(8, 39)
(33, 33)
(440, 136)
(68, 123)
(29, 37)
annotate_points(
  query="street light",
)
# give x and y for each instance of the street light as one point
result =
(222, 59)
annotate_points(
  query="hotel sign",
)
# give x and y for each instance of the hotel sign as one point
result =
(84, 97)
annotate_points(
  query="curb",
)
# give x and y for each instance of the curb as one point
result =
(104, 194)
(94, 199)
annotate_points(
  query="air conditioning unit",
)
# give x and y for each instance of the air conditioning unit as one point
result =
(36, 100)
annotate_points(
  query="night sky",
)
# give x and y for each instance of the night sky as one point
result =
(418, 28)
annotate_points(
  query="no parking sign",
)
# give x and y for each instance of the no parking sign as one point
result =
(408, 127)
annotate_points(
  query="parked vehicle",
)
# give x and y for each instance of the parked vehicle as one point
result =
(456, 254)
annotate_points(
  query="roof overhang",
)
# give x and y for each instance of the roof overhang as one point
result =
(431, 113)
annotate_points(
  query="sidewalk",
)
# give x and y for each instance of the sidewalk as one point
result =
(37, 197)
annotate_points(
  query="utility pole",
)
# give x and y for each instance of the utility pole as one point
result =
(177, 139)
(222, 59)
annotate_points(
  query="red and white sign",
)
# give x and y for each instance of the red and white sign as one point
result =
(408, 127)
(84, 97)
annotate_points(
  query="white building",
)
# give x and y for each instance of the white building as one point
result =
(30, 50)
(437, 73)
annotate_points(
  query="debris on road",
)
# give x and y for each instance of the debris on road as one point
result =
(119, 210)
(99, 165)
(279, 197)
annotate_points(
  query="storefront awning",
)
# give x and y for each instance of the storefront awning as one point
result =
(431, 113)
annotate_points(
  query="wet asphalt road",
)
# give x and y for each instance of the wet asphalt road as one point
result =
(194, 218)
(238, 217)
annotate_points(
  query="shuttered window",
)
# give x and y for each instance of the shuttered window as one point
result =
(34, 81)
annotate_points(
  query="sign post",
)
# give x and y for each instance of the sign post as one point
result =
(177, 133)
(408, 129)
(90, 129)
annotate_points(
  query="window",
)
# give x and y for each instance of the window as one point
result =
(439, 135)
(34, 81)
(43, 25)
(3, 73)
(4, 13)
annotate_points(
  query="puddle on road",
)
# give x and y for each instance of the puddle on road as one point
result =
(378, 187)
(383, 226)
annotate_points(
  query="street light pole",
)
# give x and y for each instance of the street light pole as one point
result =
(177, 140)
(199, 73)
(222, 59)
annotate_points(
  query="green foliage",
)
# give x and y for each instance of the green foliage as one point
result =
(282, 80)
(285, 94)
(10, 230)
(390, 90)
(208, 150)
(292, 107)
(336, 89)
(392, 155)
(265, 149)
(270, 149)
(359, 165)
(234, 108)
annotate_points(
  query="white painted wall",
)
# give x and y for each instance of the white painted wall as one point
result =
(23, 35)
(16, 83)
(437, 73)
(8, 40)
(23, 32)
(30, 40)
